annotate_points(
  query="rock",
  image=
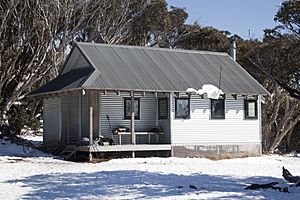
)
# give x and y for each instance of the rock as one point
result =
(193, 187)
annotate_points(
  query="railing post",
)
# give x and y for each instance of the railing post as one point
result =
(171, 121)
(133, 141)
(91, 134)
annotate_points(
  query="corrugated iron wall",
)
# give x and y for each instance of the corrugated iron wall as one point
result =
(71, 125)
(51, 116)
(66, 119)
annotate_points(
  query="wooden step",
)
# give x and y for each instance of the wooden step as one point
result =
(68, 152)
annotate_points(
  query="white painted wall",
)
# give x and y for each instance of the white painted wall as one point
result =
(200, 129)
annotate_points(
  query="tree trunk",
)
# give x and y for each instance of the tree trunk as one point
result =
(280, 135)
(288, 139)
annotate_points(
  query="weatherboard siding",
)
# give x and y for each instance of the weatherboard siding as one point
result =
(51, 115)
(67, 119)
(165, 125)
(200, 129)
(112, 105)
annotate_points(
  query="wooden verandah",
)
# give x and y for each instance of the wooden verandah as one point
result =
(125, 148)
(94, 123)
(133, 147)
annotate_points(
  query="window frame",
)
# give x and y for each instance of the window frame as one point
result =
(211, 106)
(246, 111)
(136, 117)
(159, 108)
(189, 107)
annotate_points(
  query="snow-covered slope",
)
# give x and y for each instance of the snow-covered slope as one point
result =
(35, 175)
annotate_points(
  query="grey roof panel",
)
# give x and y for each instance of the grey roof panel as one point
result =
(141, 64)
(247, 82)
(175, 75)
(236, 80)
(144, 68)
(229, 84)
(169, 78)
(156, 69)
(131, 68)
(72, 79)
(153, 73)
(114, 69)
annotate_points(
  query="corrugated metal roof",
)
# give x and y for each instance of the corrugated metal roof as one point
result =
(72, 79)
(120, 67)
(158, 69)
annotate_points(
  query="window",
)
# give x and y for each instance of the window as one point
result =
(127, 108)
(217, 109)
(163, 108)
(250, 109)
(182, 108)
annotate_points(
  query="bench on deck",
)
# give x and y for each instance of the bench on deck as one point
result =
(121, 131)
(141, 133)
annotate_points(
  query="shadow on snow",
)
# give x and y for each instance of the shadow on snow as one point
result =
(141, 184)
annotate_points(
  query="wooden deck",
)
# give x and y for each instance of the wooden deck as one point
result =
(141, 133)
(129, 147)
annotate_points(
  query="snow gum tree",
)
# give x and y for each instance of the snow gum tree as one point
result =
(36, 35)
(278, 62)
(33, 39)
(277, 58)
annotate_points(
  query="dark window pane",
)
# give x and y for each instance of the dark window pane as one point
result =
(182, 108)
(218, 109)
(127, 108)
(163, 108)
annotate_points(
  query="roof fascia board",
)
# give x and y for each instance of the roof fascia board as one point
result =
(119, 89)
(54, 92)
(166, 91)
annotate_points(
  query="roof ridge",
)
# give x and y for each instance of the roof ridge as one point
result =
(153, 48)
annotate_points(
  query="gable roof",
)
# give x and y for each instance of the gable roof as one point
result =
(118, 67)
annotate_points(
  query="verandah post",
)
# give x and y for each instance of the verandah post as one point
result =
(91, 134)
(132, 120)
(170, 121)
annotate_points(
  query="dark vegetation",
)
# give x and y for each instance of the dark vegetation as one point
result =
(36, 36)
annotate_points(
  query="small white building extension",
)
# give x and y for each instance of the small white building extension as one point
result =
(164, 117)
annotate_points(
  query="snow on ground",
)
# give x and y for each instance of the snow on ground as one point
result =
(35, 175)
(33, 138)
